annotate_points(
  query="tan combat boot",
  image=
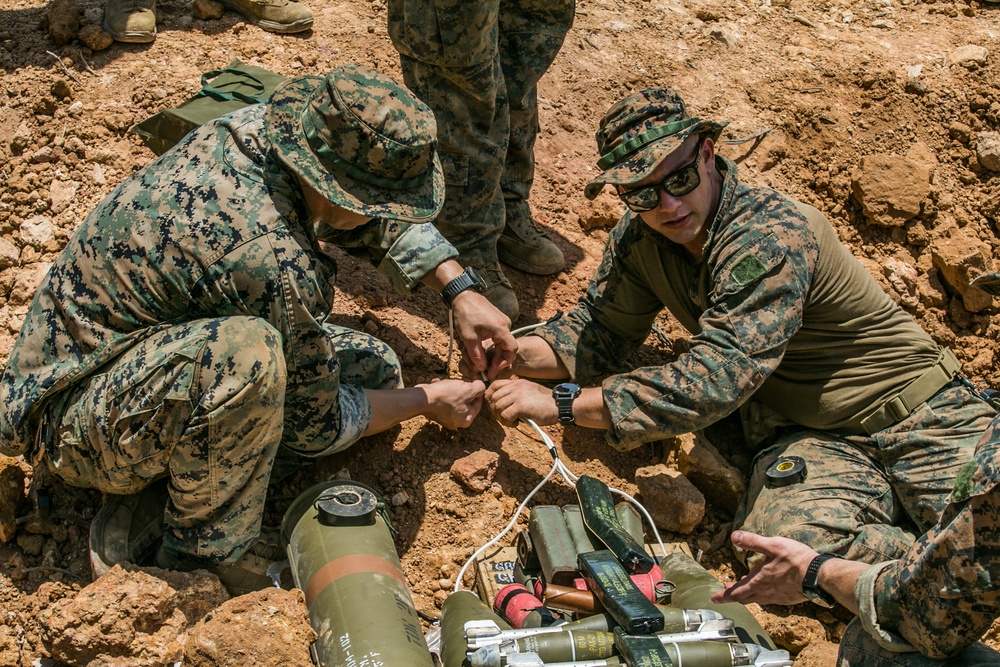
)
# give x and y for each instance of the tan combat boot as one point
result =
(281, 16)
(525, 247)
(132, 21)
(127, 529)
(255, 570)
(498, 290)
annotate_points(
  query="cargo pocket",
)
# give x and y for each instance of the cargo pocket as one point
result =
(145, 420)
(447, 33)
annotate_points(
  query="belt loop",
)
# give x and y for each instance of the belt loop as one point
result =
(898, 408)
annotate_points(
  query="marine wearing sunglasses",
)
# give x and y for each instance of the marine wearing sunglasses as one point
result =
(677, 183)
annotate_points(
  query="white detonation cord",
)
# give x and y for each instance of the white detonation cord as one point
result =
(557, 466)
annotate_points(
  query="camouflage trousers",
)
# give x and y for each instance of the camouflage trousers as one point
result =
(203, 404)
(867, 497)
(942, 595)
(476, 64)
(859, 649)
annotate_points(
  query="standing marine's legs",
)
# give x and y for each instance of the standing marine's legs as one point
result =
(531, 34)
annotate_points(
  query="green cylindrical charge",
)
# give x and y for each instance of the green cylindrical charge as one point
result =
(695, 586)
(674, 620)
(458, 609)
(343, 558)
(568, 646)
(708, 654)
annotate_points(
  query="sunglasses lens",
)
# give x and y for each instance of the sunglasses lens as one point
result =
(643, 199)
(683, 182)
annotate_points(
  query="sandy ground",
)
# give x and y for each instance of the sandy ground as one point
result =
(835, 85)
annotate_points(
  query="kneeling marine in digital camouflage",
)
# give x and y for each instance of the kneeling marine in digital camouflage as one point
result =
(182, 341)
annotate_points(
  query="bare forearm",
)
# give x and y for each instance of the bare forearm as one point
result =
(394, 406)
(837, 577)
(537, 360)
(590, 411)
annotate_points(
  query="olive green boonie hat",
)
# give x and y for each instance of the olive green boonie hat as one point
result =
(638, 132)
(361, 140)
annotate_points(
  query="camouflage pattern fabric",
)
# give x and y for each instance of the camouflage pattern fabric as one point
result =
(942, 594)
(782, 313)
(203, 402)
(214, 231)
(807, 333)
(476, 65)
(889, 487)
(355, 137)
(859, 649)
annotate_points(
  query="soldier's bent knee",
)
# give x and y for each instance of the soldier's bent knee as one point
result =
(244, 352)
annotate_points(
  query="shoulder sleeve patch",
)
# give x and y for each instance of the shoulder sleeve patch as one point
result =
(748, 266)
(747, 270)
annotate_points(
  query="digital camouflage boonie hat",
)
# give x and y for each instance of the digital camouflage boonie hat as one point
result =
(361, 140)
(641, 130)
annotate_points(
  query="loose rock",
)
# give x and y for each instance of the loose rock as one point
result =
(988, 150)
(891, 188)
(475, 471)
(670, 498)
(64, 20)
(268, 627)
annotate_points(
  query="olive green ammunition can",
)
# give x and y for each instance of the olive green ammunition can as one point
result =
(577, 530)
(630, 520)
(342, 556)
(458, 609)
(553, 544)
(695, 586)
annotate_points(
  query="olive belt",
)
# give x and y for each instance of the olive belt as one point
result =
(901, 405)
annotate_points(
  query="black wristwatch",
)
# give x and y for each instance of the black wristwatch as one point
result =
(565, 394)
(468, 279)
(810, 586)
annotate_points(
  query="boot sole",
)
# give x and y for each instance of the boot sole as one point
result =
(534, 269)
(132, 37)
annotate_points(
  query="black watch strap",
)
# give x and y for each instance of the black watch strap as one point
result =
(565, 394)
(810, 582)
(468, 279)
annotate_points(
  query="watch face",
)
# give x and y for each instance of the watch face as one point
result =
(566, 389)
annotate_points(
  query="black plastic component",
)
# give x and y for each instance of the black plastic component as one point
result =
(601, 519)
(786, 471)
(619, 595)
(347, 505)
(642, 651)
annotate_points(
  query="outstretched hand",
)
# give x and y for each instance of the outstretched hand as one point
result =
(513, 400)
(453, 404)
(778, 579)
(477, 321)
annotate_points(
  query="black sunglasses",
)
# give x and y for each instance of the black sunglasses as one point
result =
(676, 184)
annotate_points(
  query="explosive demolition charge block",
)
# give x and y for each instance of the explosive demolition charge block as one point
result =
(496, 569)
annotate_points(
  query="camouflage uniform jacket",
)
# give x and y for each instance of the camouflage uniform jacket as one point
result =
(943, 594)
(215, 227)
(779, 308)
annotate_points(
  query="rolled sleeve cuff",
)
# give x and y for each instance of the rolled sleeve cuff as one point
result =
(355, 417)
(864, 595)
(562, 339)
(418, 251)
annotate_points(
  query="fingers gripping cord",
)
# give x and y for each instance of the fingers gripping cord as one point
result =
(557, 467)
